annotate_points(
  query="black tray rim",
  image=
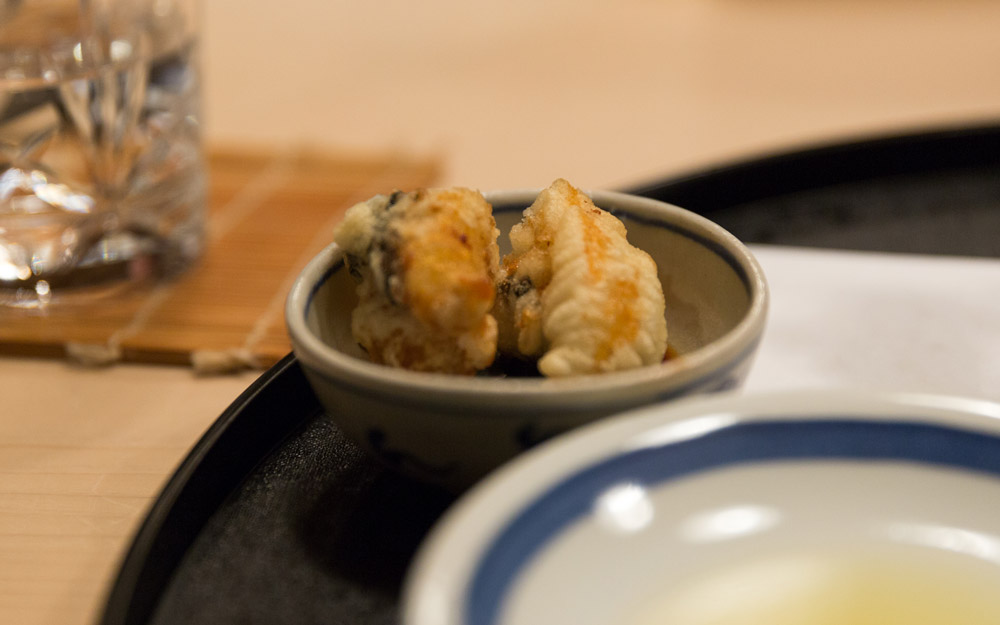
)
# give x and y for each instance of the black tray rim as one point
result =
(207, 475)
(201, 482)
(822, 164)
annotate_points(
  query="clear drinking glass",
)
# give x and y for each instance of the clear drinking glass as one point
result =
(102, 175)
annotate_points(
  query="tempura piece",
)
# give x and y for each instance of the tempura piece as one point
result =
(427, 262)
(575, 294)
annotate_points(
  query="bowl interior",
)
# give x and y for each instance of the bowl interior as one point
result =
(753, 528)
(705, 273)
(705, 517)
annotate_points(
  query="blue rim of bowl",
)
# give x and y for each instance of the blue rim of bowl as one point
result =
(819, 439)
(713, 246)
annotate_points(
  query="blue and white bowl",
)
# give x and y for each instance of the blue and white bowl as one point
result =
(454, 429)
(713, 505)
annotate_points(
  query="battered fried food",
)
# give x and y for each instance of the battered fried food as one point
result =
(427, 262)
(575, 294)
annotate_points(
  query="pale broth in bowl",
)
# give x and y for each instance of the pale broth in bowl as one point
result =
(905, 586)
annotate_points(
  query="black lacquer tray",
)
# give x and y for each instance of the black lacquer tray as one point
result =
(275, 518)
(932, 192)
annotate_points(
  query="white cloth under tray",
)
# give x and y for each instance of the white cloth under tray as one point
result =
(891, 322)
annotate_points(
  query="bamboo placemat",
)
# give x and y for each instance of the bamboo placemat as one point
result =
(268, 215)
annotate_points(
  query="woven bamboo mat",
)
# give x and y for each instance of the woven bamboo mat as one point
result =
(268, 215)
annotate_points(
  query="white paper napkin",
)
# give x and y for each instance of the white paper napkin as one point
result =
(890, 322)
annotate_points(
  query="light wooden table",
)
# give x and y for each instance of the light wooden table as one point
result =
(515, 94)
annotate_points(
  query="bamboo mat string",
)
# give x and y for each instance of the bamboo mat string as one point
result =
(250, 197)
(97, 354)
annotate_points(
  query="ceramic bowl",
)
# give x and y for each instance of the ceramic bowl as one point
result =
(453, 429)
(710, 509)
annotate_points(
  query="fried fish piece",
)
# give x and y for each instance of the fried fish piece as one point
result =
(427, 263)
(575, 294)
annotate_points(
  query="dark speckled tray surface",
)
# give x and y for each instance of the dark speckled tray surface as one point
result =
(276, 518)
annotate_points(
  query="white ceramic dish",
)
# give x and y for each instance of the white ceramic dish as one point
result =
(453, 429)
(601, 524)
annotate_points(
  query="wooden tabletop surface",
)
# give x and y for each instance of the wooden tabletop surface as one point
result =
(516, 94)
